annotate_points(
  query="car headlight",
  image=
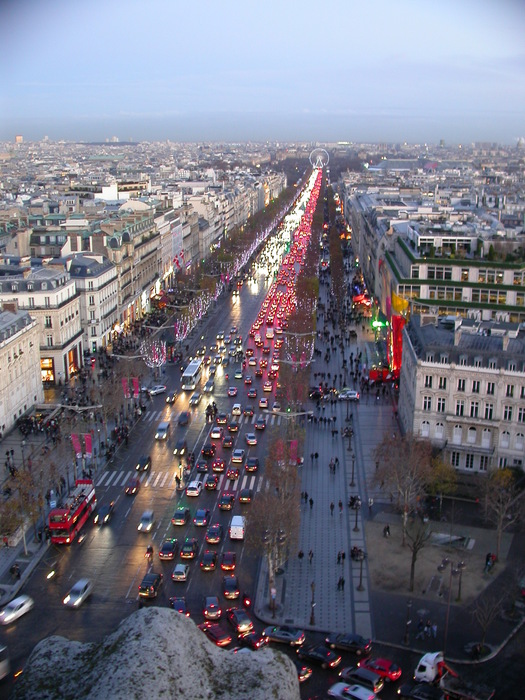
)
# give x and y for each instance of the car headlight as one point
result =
(67, 599)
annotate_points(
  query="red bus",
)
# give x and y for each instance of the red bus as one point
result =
(66, 522)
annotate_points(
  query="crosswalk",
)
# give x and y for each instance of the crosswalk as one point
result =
(271, 418)
(166, 478)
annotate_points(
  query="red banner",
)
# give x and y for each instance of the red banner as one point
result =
(88, 443)
(125, 388)
(293, 451)
(76, 445)
(135, 382)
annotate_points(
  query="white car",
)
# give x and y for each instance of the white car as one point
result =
(16, 608)
(78, 594)
(348, 395)
(217, 433)
(276, 407)
(236, 410)
(180, 572)
(195, 399)
(238, 456)
(146, 521)
(251, 440)
(350, 692)
(194, 488)
(157, 389)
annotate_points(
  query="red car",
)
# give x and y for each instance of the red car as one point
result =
(383, 667)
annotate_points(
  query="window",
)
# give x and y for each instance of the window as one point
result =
(428, 381)
(509, 393)
(442, 382)
(425, 428)
(486, 438)
(512, 366)
(475, 387)
(463, 361)
(505, 438)
(90, 284)
(429, 357)
(493, 364)
(49, 341)
(483, 463)
(92, 315)
(521, 414)
(478, 362)
(444, 359)
(91, 300)
(522, 392)
(490, 388)
(507, 413)
(471, 436)
(502, 462)
(519, 441)
(31, 302)
(93, 331)
(440, 431)
(489, 411)
(460, 407)
(47, 302)
(427, 403)
(441, 405)
(469, 461)
(48, 322)
(454, 459)
(457, 435)
(474, 409)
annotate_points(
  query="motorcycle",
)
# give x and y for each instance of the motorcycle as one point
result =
(149, 552)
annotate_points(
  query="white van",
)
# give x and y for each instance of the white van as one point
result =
(237, 527)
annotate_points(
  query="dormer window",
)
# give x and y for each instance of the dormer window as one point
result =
(493, 363)
(430, 357)
(444, 359)
(478, 362)
(463, 360)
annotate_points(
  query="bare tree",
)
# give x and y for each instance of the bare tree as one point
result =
(403, 467)
(417, 537)
(485, 611)
(503, 502)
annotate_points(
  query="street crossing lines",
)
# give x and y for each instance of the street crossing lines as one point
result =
(162, 478)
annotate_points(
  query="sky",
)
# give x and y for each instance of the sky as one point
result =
(263, 70)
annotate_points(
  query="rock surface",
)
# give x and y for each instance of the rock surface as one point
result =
(154, 653)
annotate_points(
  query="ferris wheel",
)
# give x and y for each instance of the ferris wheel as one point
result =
(319, 158)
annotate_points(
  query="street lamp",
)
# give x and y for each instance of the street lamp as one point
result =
(408, 622)
(357, 506)
(361, 559)
(22, 445)
(454, 571)
(352, 483)
(312, 604)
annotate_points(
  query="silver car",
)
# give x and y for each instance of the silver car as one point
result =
(78, 594)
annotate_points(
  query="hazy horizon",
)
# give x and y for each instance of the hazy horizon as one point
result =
(344, 71)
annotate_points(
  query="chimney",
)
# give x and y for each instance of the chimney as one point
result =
(506, 339)
(10, 306)
(457, 336)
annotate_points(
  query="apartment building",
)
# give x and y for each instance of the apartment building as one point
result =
(462, 386)
(21, 387)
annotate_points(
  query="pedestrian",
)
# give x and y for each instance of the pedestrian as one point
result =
(420, 629)
(340, 507)
(338, 557)
(300, 555)
(343, 556)
(434, 630)
(6, 541)
(370, 504)
(386, 531)
(339, 583)
(342, 583)
(427, 628)
(332, 508)
(310, 556)
(311, 503)
(306, 496)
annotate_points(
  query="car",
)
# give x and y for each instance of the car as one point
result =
(208, 450)
(239, 620)
(220, 335)
(151, 583)
(104, 513)
(232, 391)
(180, 573)
(315, 394)
(385, 668)
(284, 634)
(226, 501)
(171, 397)
(201, 351)
(251, 439)
(252, 640)
(180, 448)
(222, 418)
(263, 402)
(252, 464)
(147, 520)
(132, 486)
(181, 516)
(143, 464)
(218, 466)
(248, 378)
(268, 386)
(259, 373)
(349, 642)
(303, 671)
(227, 441)
(360, 676)
(236, 409)
(184, 418)
(217, 433)
(421, 691)
(260, 424)
(212, 371)
(157, 389)
(202, 466)
(201, 517)
(348, 395)
(189, 548)
(81, 590)
(343, 691)
(163, 430)
(252, 362)
(245, 495)
(238, 456)
(215, 633)
(17, 607)
(195, 399)
(168, 550)
(210, 482)
(209, 560)
(238, 373)
(233, 473)
(230, 587)
(178, 603)
(250, 352)
(212, 609)
(248, 411)
(263, 363)
(228, 561)
(276, 407)
(194, 488)
(214, 534)
(252, 393)
(233, 427)
(319, 654)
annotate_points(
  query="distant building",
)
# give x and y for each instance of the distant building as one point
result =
(462, 386)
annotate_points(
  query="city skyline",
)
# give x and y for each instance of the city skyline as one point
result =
(415, 72)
